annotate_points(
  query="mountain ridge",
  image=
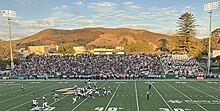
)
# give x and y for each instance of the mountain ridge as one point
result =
(98, 36)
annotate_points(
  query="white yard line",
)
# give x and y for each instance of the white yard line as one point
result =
(10, 92)
(17, 90)
(26, 102)
(138, 108)
(26, 93)
(203, 92)
(30, 100)
(112, 97)
(184, 95)
(59, 100)
(79, 104)
(85, 99)
(208, 86)
(162, 98)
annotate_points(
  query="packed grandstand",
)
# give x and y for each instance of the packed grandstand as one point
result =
(128, 66)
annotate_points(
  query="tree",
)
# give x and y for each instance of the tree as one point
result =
(163, 45)
(216, 32)
(66, 49)
(215, 41)
(217, 58)
(2, 63)
(141, 46)
(186, 31)
(124, 43)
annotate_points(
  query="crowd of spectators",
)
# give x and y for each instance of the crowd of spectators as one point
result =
(91, 66)
(182, 66)
(108, 66)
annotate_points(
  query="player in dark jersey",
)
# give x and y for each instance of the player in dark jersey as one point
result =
(90, 92)
(97, 91)
(89, 87)
(104, 91)
(45, 103)
(22, 88)
(150, 84)
(147, 96)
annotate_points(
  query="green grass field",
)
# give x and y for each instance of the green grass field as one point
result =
(165, 95)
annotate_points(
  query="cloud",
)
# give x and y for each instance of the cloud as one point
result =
(123, 16)
(60, 17)
(62, 11)
(164, 19)
(109, 14)
(83, 21)
(155, 12)
(53, 22)
(23, 2)
(202, 33)
(15, 36)
(136, 26)
(36, 23)
(116, 17)
(103, 6)
(131, 5)
(22, 28)
(78, 2)
(189, 8)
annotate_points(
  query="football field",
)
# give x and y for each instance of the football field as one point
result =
(127, 95)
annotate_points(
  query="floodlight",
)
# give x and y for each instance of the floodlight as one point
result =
(210, 6)
(8, 13)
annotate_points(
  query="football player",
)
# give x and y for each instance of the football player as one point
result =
(22, 88)
(97, 91)
(34, 103)
(45, 105)
(109, 91)
(74, 99)
(56, 96)
(147, 95)
(150, 84)
(104, 91)
(91, 93)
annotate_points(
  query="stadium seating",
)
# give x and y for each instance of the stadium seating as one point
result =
(83, 66)
(106, 66)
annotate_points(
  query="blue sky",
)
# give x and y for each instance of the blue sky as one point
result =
(153, 15)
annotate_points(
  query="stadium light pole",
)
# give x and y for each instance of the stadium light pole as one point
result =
(9, 14)
(209, 7)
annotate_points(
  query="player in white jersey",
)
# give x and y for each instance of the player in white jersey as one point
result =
(34, 103)
(75, 87)
(74, 99)
(147, 95)
(56, 96)
(109, 91)
(79, 93)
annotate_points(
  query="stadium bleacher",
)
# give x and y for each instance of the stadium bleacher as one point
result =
(107, 66)
(81, 66)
